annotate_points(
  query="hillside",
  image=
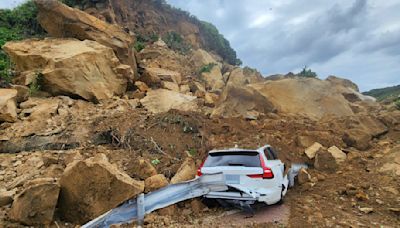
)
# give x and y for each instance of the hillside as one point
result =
(107, 101)
(388, 93)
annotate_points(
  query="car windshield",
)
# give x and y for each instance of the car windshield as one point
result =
(233, 158)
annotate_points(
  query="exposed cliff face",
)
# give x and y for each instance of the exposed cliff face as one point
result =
(155, 17)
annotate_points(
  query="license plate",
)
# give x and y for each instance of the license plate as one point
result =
(232, 179)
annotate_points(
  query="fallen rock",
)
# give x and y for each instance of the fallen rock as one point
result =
(338, 154)
(170, 86)
(141, 86)
(324, 161)
(201, 57)
(8, 108)
(210, 99)
(214, 79)
(186, 171)
(303, 176)
(142, 169)
(22, 93)
(372, 126)
(237, 101)
(93, 186)
(6, 197)
(357, 138)
(392, 162)
(162, 100)
(366, 210)
(342, 82)
(312, 150)
(62, 21)
(241, 77)
(71, 67)
(155, 182)
(36, 204)
(154, 76)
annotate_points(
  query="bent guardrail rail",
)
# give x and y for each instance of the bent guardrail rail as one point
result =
(136, 209)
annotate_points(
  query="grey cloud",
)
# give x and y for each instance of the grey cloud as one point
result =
(333, 37)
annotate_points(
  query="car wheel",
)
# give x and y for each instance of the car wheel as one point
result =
(281, 201)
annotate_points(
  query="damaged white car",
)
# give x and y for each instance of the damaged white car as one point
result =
(252, 175)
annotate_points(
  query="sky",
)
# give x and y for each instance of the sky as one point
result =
(354, 39)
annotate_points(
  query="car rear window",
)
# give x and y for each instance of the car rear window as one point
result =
(236, 158)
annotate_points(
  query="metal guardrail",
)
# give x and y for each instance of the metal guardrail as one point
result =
(136, 209)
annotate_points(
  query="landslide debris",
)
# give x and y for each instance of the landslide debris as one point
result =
(62, 21)
(111, 136)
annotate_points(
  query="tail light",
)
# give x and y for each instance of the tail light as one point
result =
(267, 172)
(199, 169)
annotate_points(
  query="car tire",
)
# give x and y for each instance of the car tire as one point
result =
(281, 201)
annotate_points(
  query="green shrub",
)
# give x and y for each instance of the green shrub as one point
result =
(16, 24)
(36, 84)
(155, 161)
(139, 45)
(307, 73)
(176, 42)
(397, 103)
(207, 68)
(215, 41)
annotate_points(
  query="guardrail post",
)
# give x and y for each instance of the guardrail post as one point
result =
(140, 210)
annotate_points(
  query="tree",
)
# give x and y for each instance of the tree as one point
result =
(307, 73)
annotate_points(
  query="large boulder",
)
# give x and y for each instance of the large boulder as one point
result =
(162, 100)
(71, 67)
(311, 97)
(214, 79)
(240, 101)
(93, 186)
(337, 153)
(372, 125)
(186, 171)
(343, 82)
(36, 204)
(244, 76)
(325, 161)
(312, 150)
(59, 20)
(357, 138)
(8, 108)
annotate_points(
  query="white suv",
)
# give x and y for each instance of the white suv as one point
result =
(251, 175)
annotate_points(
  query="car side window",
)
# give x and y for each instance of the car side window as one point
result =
(273, 153)
(268, 154)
